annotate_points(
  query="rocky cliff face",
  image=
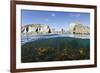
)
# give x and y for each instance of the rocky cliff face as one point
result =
(36, 29)
(77, 28)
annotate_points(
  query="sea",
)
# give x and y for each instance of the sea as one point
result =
(29, 38)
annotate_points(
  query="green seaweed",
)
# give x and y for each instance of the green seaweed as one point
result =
(55, 49)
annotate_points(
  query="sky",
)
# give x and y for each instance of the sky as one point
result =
(55, 19)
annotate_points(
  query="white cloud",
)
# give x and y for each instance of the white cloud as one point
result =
(76, 15)
(53, 14)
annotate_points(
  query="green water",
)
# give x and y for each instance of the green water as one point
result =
(55, 49)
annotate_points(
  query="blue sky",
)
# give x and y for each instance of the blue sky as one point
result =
(56, 20)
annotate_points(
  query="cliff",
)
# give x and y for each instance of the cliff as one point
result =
(75, 28)
(78, 28)
(36, 29)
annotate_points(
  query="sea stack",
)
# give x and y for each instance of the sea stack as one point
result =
(78, 28)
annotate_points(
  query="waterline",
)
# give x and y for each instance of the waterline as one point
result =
(29, 38)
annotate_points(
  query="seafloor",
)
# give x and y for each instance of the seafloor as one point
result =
(55, 49)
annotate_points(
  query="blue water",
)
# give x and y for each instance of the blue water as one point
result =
(29, 38)
(56, 48)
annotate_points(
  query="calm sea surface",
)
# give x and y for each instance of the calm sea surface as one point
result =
(29, 38)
